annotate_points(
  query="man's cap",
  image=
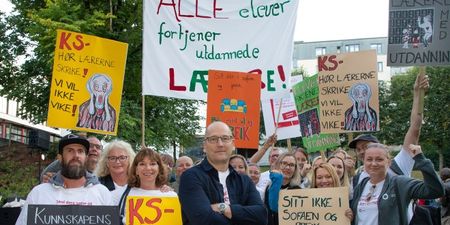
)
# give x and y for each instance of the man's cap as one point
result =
(363, 137)
(73, 139)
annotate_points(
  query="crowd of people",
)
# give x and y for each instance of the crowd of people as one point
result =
(227, 188)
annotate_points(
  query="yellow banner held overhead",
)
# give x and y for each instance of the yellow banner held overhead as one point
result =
(153, 210)
(86, 86)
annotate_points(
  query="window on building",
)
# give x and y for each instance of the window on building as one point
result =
(380, 66)
(352, 48)
(321, 51)
(376, 46)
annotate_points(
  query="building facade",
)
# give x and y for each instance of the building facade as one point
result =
(306, 53)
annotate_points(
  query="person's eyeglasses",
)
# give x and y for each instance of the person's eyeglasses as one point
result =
(96, 146)
(121, 158)
(215, 139)
(371, 192)
(286, 164)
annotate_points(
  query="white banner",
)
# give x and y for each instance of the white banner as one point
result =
(184, 39)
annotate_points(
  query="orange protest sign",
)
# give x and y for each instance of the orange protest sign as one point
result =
(153, 210)
(86, 86)
(233, 98)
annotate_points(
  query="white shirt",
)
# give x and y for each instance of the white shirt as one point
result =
(223, 180)
(368, 207)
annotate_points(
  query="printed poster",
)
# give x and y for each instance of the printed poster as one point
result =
(306, 95)
(348, 92)
(419, 33)
(86, 86)
(184, 39)
(288, 125)
(233, 98)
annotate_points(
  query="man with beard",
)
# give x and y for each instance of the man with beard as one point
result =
(95, 149)
(73, 185)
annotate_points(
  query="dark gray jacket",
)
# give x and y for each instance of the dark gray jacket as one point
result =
(398, 191)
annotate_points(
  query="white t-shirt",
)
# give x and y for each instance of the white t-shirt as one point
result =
(264, 180)
(48, 194)
(117, 193)
(148, 193)
(223, 180)
(368, 208)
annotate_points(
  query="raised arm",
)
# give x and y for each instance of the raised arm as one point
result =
(415, 124)
(260, 153)
(404, 160)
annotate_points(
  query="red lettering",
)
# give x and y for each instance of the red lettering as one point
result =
(196, 11)
(79, 38)
(161, 3)
(322, 60)
(321, 63)
(217, 9)
(245, 133)
(157, 209)
(133, 211)
(63, 41)
(172, 85)
(259, 72)
(179, 11)
(332, 60)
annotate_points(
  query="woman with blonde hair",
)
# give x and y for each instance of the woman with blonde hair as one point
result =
(285, 175)
(324, 175)
(239, 164)
(114, 163)
(340, 168)
(383, 198)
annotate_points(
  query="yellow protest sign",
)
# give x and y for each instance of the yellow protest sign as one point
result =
(324, 206)
(86, 86)
(153, 210)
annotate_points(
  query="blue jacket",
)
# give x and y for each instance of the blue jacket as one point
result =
(200, 187)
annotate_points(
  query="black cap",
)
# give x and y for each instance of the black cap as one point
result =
(363, 137)
(73, 139)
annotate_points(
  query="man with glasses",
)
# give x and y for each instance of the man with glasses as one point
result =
(95, 150)
(72, 185)
(213, 193)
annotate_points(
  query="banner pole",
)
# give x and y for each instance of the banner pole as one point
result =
(289, 145)
(421, 91)
(278, 118)
(143, 122)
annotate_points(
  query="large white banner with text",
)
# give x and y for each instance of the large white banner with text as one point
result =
(184, 39)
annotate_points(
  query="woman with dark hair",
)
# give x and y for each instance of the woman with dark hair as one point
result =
(285, 175)
(146, 178)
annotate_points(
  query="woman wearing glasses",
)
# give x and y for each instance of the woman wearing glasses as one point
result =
(114, 164)
(382, 198)
(285, 175)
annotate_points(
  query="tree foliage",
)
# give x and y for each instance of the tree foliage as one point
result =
(395, 107)
(27, 45)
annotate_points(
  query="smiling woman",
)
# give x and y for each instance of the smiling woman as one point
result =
(147, 177)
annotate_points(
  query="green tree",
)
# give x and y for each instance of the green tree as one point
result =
(395, 107)
(29, 35)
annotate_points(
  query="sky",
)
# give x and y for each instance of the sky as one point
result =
(321, 20)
